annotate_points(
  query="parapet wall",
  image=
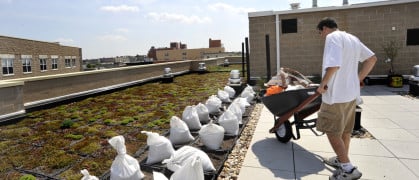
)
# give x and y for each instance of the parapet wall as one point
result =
(18, 95)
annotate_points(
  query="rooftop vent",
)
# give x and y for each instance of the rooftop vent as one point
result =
(295, 6)
(314, 3)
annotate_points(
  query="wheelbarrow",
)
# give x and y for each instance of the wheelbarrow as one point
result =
(299, 103)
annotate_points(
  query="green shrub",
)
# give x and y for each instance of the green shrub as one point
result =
(68, 123)
(27, 177)
(74, 136)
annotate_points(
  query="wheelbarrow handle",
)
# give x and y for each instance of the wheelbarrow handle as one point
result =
(287, 115)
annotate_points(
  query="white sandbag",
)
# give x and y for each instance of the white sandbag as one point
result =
(249, 88)
(87, 176)
(294, 87)
(223, 95)
(179, 131)
(248, 95)
(191, 118)
(159, 147)
(236, 110)
(181, 156)
(212, 135)
(192, 170)
(229, 122)
(124, 167)
(159, 176)
(213, 104)
(203, 113)
(231, 92)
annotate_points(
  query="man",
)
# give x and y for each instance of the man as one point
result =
(340, 87)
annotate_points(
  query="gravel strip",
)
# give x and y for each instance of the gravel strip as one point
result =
(234, 161)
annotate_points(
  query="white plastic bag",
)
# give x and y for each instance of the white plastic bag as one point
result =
(159, 147)
(124, 167)
(248, 95)
(181, 156)
(212, 135)
(159, 176)
(87, 176)
(231, 92)
(249, 88)
(235, 108)
(203, 113)
(229, 122)
(223, 95)
(192, 170)
(179, 131)
(190, 116)
(213, 104)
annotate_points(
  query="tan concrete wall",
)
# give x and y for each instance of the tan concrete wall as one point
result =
(183, 54)
(303, 50)
(18, 47)
(19, 94)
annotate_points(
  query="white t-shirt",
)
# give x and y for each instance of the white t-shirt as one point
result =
(345, 51)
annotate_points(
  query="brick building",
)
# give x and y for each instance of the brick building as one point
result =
(21, 58)
(179, 51)
(295, 43)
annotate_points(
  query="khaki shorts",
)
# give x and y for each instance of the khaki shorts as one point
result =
(336, 118)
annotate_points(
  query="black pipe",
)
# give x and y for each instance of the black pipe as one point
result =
(242, 59)
(247, 61)
(268, 58)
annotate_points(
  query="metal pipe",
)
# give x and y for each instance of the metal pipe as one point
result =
(242, 59)
(247, 60)
(268, 58)
(278, 50)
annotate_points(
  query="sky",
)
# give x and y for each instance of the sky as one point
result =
(110, 28)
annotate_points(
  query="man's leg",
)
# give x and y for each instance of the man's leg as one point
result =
(338, 144)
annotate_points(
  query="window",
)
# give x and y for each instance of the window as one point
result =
(43, 64)
(412, 37)
(184, 53)
(7, 64)
(26, 63)
(67, 63)
(166, 54)
(54, 62)
(73, 62)
(289, 26)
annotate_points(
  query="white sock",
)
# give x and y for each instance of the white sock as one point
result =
(347, 167)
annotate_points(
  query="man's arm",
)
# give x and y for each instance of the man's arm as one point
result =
(367, 66)
(330, 71)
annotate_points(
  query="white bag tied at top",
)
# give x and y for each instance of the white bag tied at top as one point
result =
(87, 176)
(213, 104)
(192, 170)
(212, 135)
(191, 118)
(181, 156)
(231, 92)
(124, 167)
(159, 176)
(235, 108)
(203, 113)
(229, 122)
(159, 147)
(179, 131)
(223, 95)
(248, 93)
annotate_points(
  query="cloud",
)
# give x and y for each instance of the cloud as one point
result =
(110, 37)
(122, 30)
(164, 17)
(120, 8)
(229, 8)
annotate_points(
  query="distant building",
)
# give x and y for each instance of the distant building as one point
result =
(21, 58)
(179, 51)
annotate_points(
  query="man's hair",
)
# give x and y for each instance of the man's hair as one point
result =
(328, 22)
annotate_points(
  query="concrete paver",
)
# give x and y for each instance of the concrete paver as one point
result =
(391, 118)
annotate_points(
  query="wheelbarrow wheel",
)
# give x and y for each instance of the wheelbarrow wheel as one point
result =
(284, 132)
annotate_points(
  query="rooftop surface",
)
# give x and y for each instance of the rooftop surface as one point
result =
(392, 153)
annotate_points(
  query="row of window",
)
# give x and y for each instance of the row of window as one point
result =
(7, 62)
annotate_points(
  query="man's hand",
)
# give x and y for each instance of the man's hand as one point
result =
(322, 89)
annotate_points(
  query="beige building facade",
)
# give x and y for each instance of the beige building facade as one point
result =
(187, 54)
(295, 42)
(22, 58)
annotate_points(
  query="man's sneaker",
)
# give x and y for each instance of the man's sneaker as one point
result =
(340, 174)
(333, 161)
